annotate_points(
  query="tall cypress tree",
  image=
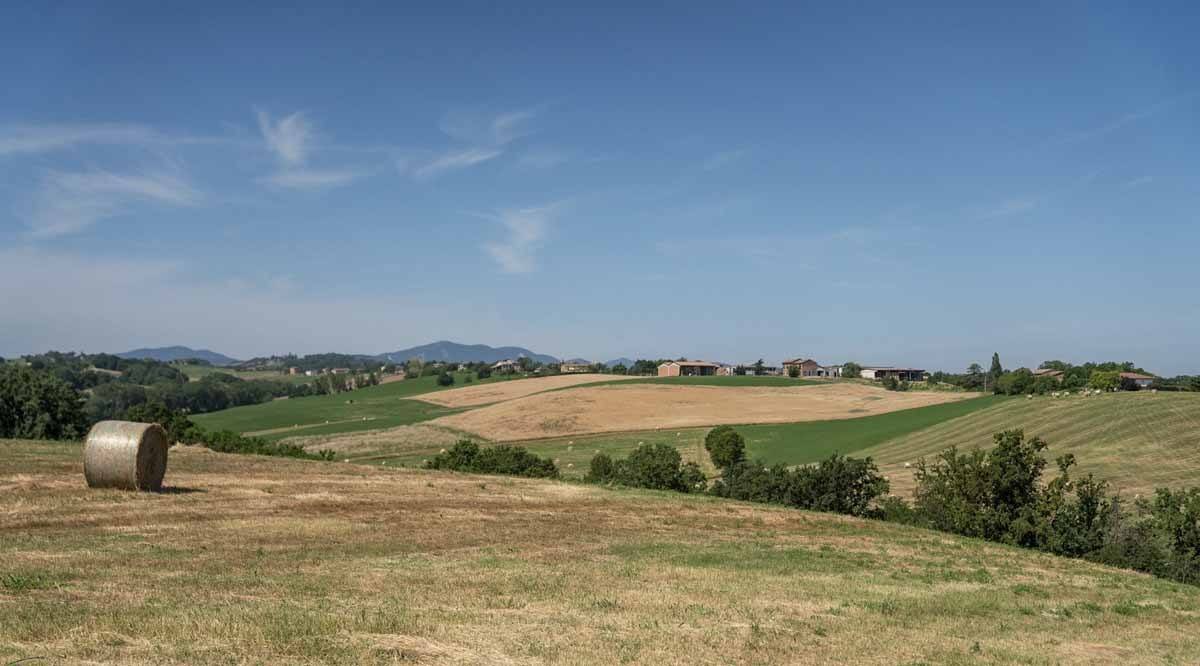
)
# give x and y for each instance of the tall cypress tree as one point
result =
(997, 369)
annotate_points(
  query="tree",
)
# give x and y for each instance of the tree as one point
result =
(1105, 380)
(725, 446)
(445, 379)
(996, 369)
(758, 367)
(37, 405)
(852, 369)
(793, 371)
(973, 380)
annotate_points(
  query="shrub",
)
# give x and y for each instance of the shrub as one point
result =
(467, 456)
(838, 484)
(445, 379)
(483, 372)
(658, 467)
(725, 446)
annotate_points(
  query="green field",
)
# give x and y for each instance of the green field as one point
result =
(1137, 440)
(197, 372)
(383, 406)
(249, 559)
(801, 443)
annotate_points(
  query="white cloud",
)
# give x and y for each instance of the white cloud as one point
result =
(289, 137)
(312, 179)
(527, 229)
(69, 203)
(478, 129)
(452, 161)
(31, 139)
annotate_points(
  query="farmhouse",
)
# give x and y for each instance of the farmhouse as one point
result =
(806, 367)
(902, 374)
(569, 367)
(687, 369)
(507, 365)
(1137, 379)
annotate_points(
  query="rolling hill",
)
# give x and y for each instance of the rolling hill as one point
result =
(178, 353)
(445, 350)
(265, 560)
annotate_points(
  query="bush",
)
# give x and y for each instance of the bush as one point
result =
(725, 446)
(226, 441)
(445, 379)
(37, 405)
(838, 484)
(658, 467)
(467, 456)
(483, 372)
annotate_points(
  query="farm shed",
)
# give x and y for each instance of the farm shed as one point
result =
(903, 374)
(687, 369)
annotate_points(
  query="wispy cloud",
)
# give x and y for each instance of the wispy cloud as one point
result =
(309, 179)
(527, 229)
(451, 161)
(478, 129)
(1122, 121)
(723, 159)
(289, 137)
(69, 203)
(29, 139)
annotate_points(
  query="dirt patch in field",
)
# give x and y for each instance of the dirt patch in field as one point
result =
(654, 406)
(483, 394)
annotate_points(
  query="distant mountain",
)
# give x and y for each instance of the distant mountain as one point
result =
(627, 362)
(177, 353)
(577, 360)
(445, 350)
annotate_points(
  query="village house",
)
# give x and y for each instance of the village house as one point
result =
(878, 373)
(568, 367)
(1137, 379)
(806, 367)
(687, 369)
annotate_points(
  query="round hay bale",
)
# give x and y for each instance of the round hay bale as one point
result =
(124, 454)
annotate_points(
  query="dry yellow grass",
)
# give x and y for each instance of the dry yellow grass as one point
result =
(483, 394)
(648, 406)
(259, 560)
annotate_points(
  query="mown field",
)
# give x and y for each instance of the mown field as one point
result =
(1137, 440)
(260, 560)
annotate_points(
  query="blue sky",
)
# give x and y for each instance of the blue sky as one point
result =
(889, 185)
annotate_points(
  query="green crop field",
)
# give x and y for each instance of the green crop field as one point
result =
(248, 559)
(383, 406)
(1137, 440)
(800, 443)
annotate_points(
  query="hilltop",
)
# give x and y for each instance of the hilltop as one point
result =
(178, 353)
(444, 350)
(292, 561)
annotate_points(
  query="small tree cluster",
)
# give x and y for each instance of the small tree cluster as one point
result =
(659, 467)
(725, 446)
(838, 484)
(467, 456)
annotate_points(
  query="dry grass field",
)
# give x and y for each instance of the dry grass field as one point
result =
(260, 560)
(650, 406)
(483, 394)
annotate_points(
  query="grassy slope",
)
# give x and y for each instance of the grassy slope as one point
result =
(800, 443)
(382, 406)
(267, 561)
(1137, 440)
